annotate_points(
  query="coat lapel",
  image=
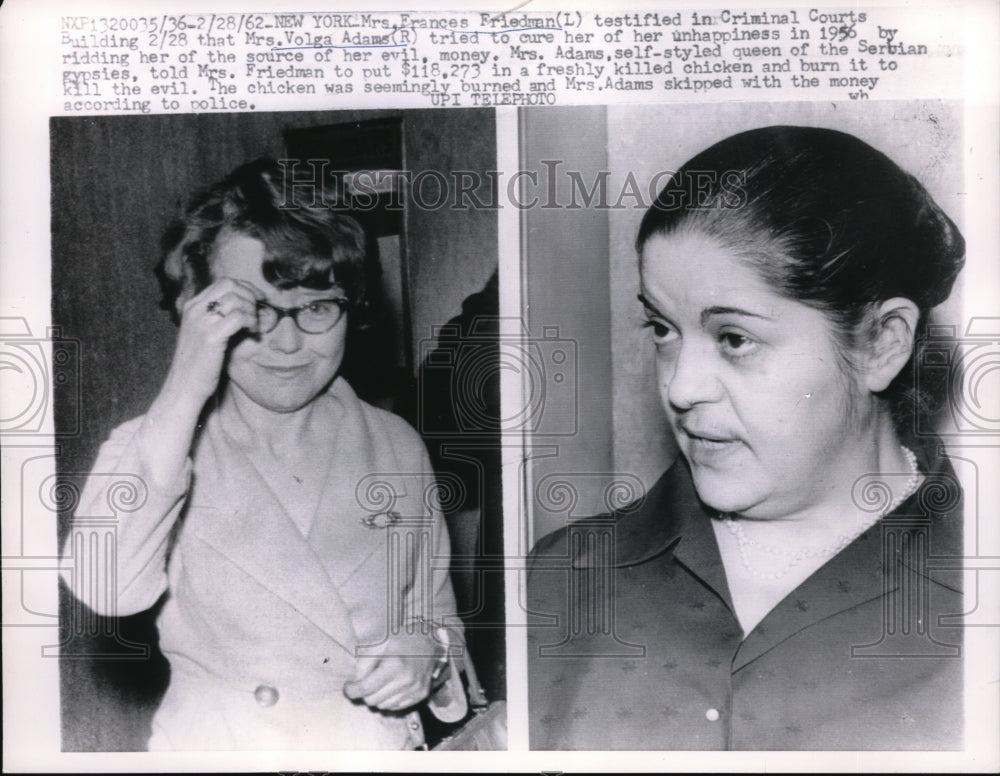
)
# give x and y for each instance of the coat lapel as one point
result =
(368, 498)
(234, 512)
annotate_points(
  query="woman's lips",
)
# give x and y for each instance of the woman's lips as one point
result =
(706, 447)
(285, 371)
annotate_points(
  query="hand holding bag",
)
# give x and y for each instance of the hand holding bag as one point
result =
(485, 729)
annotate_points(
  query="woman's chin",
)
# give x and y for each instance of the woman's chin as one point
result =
(723, 494)
(282, 402)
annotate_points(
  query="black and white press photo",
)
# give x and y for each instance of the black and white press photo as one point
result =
(753, 556)
(544, 388)
(276, 314)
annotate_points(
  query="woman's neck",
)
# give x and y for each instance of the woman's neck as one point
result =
(846, 497)
(258, 428)
(767, 557)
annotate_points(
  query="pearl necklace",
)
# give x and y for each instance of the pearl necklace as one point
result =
(744, 542)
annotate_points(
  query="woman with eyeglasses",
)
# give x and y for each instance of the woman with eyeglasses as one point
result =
(289, 527)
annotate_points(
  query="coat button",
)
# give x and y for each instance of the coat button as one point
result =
(712, 715)
(265, 695)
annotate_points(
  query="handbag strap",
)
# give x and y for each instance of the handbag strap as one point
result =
(477, 698)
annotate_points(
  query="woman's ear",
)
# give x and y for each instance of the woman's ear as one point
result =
(893, 327)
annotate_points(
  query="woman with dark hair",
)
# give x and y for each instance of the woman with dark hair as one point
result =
(772, 590)
(289, 527)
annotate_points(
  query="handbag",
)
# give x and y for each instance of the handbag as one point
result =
(485, 728)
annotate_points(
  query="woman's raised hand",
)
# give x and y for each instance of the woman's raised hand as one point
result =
(208, 321)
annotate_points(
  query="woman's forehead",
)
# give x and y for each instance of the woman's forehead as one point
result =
(243, 257)
(236, 252)
(240, 248)
(268, 247)
(696, 272)
(697, 258)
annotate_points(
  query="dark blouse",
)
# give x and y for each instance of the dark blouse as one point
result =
(633, 643)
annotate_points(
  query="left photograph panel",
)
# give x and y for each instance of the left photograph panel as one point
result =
(278, 480)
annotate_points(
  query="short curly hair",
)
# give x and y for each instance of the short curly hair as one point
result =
(308, 242)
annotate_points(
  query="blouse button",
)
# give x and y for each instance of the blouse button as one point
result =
(265, 695)
(712, 715)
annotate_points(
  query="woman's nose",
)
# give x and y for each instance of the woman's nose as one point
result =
(286, 337)
(692, 380)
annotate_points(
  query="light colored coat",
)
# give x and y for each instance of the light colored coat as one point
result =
(262, 623)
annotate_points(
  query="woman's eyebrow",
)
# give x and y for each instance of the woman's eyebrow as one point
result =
(708, 312)
(647, 304)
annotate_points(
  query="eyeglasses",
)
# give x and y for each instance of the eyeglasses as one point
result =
(317, 317)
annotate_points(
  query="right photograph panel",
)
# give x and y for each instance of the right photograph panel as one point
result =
(740, 493)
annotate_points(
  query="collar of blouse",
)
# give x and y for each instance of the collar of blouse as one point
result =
(671, 512)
